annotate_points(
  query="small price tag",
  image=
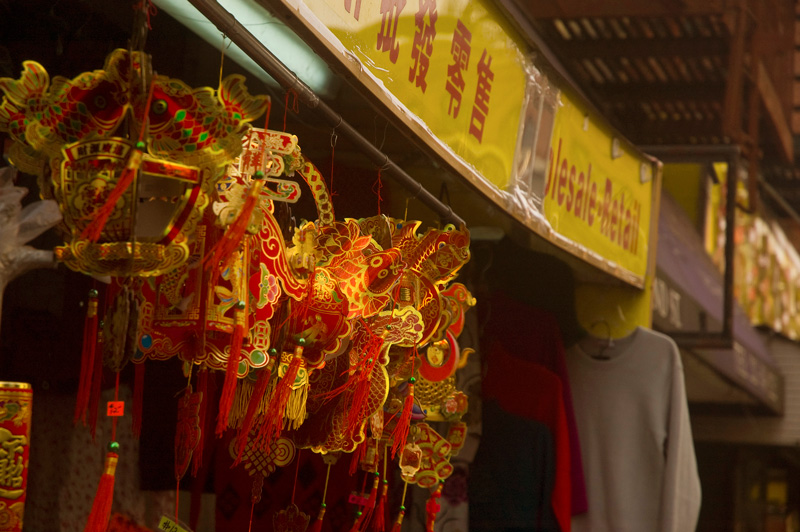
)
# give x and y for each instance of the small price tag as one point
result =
(168, 525)
(115, 408)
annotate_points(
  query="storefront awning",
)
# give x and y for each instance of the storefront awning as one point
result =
(688, 298)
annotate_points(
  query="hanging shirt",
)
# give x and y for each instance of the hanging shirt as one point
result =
(636, 440)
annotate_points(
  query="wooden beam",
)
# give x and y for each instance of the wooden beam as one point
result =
(772, 104)
(661, 92)
(695, 46)
(619, 8)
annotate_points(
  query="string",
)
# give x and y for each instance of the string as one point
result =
(177, 499)
(252, 507)
(334, 138)
(325, 489)
(295, 107)
(376, 188)
(222, 57)
(149, 10)
(296, 471)
(115, 418)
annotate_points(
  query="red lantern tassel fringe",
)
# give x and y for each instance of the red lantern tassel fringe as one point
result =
(88, 354)
(138, 399)
(273, 422)
(369, 507)
(358, 455)
(379, 520)
(101, 508)
(400, 433)
(316, 526)
(231, 376)
(398, 524)
(249, 419)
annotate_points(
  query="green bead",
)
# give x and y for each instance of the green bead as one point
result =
(369, 361)
(388, 327)
(141, 145)
(93, 293)
(113, 446)
(301, 341)
(258, 175)
(412, 380)
(323, 505)
(402, 508)
(385, 481)
(272, 351)
(240, 305)
(358, 513)
(377, 474)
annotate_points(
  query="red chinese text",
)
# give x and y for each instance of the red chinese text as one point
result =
(481, 107)
(356, 11)
(459, 49)
(387, 37)
(423, 42)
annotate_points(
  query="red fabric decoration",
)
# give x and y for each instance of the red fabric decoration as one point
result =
(101, 508)
(138, 398)
(88, 354)
(94, 398)
(231, 376)
(432, 508)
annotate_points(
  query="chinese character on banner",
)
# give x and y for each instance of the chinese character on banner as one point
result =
(387, 37)
(481, 107)
(12, 448)
(356, 11)
(459, 49)
(423, 42)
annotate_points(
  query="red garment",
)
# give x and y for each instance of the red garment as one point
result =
(533, 334)
(529, 390)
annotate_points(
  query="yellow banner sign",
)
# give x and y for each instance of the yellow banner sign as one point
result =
(599, 190)
(453, 63)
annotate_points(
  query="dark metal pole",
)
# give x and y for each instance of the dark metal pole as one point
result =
(710, 154)
(236, 32)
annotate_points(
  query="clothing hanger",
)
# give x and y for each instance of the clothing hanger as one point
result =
(605, 344)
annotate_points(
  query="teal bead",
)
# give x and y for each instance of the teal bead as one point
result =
(272, 352)
(93, 293)
(301, 341)
(240, 305)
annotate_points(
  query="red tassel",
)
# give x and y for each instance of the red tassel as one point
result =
(273, 423)
(379, 515)
(398, 524)
(249, 419)
(400, 433)
(316, 526)
(88, 354)
(202, 387)
(366, 512)
(138, 399)
(231, 376)
(101, 508)
(358, 455)
(232, 238)
(100, 216)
